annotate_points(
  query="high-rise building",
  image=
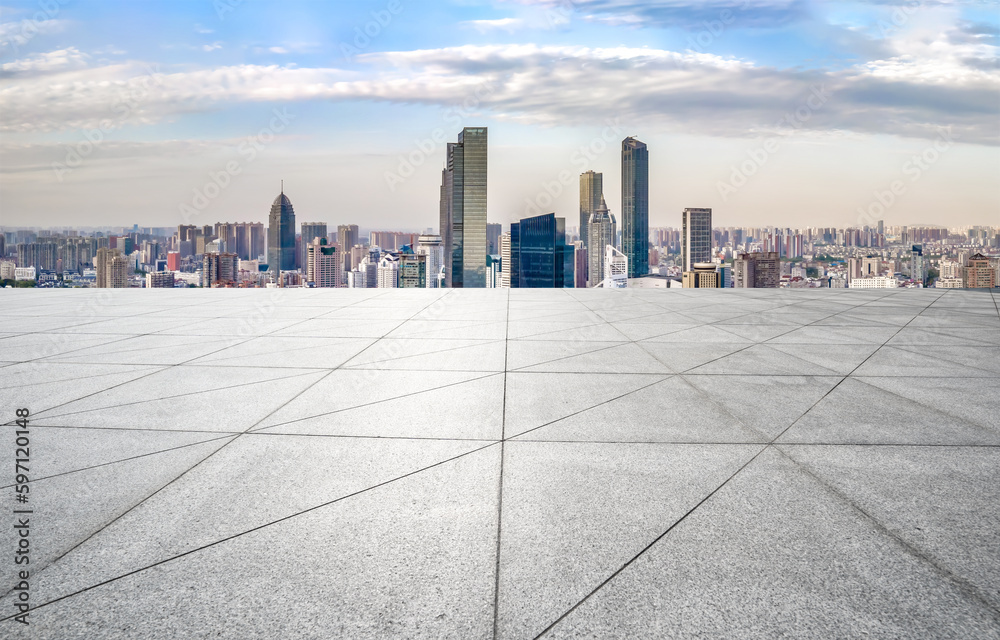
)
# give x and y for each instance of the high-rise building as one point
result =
(980, 274)
(504, 261)
(917, 270)
(581, 268)
(757, 271)
(117, 275)
(463, 209)
(493, 230)
(591, 197)
(601, 227)
(703, 275)
(432, 247)
(220, 269)
(173, 261)
(102, 262)
(347, 238)
(323, 263)
(615, 269)
(160, 280)
(635, 206)
(388, 272)
(311, 231)
(412, 269)
(696, 237)
(544, 258)
(281, 235)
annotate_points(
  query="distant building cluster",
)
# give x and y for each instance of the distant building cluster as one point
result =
(537, 251)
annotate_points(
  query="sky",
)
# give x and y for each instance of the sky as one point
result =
(792, 113)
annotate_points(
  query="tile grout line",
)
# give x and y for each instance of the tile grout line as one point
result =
(503, 444)
(765, 447)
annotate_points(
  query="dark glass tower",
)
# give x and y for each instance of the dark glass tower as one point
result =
(544, 259)
(281, 235)
(463, 209)
(635, 206)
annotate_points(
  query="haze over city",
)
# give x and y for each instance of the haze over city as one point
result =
(771, 112)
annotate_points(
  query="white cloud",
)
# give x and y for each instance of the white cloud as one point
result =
(15, 34)
(510, 25)
(211, 47)
(53, 61)
(553, 85)
(280, 50)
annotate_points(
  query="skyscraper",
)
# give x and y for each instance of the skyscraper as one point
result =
(323, 263)
(601, 228)
(591, 196)
(696, 237)
(432, 247)
(493, 238)
(917, 271)
(757, 271)
(635, 206)
(347, 238)
(463, 209)
(281, 235)
(544, 258)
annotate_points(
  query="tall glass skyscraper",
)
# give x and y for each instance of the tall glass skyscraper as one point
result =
(281, 235)
(543, 258)
(591, 193)
(635, 206)
(696, 237)
(463, 209)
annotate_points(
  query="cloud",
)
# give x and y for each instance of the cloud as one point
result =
(925, 86)
(676, 13)
(45, 63)
(280, 50)
(211, 47)
(510, 25)
(18, 33)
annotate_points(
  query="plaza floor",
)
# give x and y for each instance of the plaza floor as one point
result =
(310, 463)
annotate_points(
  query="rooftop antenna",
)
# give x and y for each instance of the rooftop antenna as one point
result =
(282, 186)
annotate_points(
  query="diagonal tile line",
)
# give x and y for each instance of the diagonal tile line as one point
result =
(964, 365)
(340, 436)
(926, 556)
(763, 447)
(139, 368)
(863, 380)
(612, 345)
(663, 378)
(130, 458)
(164, 368)
(179, 395)
(197, 464)
(628, 563)
(249, 531)
(478, 343)
(503, 443)
(375, 402)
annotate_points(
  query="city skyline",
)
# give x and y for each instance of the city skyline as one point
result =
(781, 113)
